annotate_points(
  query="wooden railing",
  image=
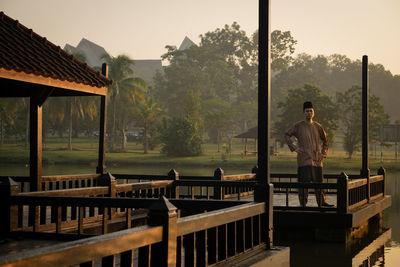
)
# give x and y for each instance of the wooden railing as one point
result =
(56, 182)
(201, 240)
(351, 194)
(28, 216)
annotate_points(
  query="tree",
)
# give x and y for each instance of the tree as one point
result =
(124, 92)
(180, 137)
(150, 113)
(282, 48)
(8, 112)
(292, 110)
(350, 105)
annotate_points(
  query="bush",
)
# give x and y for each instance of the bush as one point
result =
(181, 137)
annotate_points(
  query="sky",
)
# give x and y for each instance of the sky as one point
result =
(141, 29)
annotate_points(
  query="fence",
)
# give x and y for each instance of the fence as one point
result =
(202, 240)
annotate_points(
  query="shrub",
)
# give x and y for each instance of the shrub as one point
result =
(181, 137)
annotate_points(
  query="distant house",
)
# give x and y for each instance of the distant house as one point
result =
(145, 69)
(186, 43)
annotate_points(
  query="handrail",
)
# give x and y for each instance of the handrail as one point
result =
(376, 178)
(60, 178)
(140, 176)
(195, 223)
(356, 183)
(86, 191)
(142, 185)
(70, 253)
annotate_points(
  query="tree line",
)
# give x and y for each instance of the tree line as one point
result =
(208, 93)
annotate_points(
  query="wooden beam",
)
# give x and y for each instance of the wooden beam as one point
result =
(40, 80)
(101, 166)
(35, 126)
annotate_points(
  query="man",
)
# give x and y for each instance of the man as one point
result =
(309, 155)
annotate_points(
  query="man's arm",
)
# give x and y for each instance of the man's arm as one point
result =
(289, 133)
(324, 138)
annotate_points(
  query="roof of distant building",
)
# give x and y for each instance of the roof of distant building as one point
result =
(27, 55)
(186, 43)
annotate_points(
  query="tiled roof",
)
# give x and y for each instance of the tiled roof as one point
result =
(22, 50)
(251, 133)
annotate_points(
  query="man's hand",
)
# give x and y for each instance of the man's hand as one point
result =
(321, 157)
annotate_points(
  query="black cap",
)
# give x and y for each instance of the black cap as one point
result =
(307, 104)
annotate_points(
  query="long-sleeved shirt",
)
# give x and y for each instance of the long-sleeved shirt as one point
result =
(308, 135)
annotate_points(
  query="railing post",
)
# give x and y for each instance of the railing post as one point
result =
(162, 212)
(110, 181)
(174, 175)
(218, 190)
(342, 193)
(8, 188)
(382, 171)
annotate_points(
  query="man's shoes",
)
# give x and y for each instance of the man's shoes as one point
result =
(326, 205)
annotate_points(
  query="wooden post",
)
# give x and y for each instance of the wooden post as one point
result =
(35, 153)
(218, 190)
(8, 188)
(382, 171)
(174, 175)
(110, 181)
(342, 193)
(101, 167)
(365, 172)
(162, 212)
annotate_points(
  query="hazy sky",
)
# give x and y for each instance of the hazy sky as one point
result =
(142, 28)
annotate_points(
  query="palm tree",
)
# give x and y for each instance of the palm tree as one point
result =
(125, 91)
(149, 112)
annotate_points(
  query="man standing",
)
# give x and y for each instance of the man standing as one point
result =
(309, 155)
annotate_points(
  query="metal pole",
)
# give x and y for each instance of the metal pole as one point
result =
(365, 172)
(263, 190)
(263, 177)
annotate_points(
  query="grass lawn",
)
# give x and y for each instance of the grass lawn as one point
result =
(85, 153)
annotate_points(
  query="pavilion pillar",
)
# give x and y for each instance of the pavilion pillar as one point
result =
(101, 166)
(35, 136)
(263, 191)
(365, 172)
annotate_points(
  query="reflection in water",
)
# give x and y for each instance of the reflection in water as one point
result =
(392, 253)
(315, 254)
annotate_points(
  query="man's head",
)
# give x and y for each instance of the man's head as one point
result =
(308, 110)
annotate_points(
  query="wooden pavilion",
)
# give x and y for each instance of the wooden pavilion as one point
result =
(33, 67)
(252, 133)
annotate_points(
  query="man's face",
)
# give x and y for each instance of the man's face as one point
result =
(309, 113)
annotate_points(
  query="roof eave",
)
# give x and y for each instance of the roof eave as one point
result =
(51, 82)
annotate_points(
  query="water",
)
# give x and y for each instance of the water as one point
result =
(375, 251)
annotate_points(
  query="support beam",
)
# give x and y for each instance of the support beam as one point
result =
(365, 114)
(263, 190)
(101, 166)
(365, 172)
(264, 100)
(35, 126)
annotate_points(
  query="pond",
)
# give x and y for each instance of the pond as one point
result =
(368, 253)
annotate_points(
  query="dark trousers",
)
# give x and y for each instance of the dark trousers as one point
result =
(308, 174)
